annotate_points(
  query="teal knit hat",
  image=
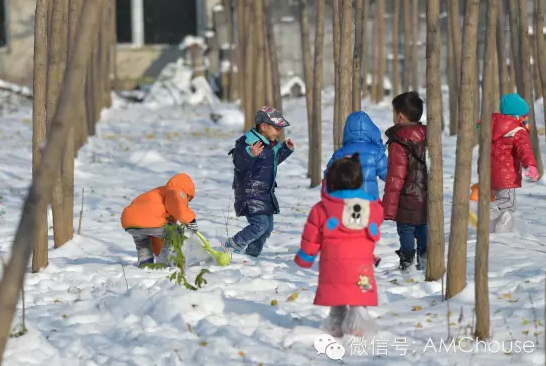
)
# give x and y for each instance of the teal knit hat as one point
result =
(513, 105)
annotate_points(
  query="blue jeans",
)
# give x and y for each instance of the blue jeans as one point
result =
(253, 236)
(409, 234)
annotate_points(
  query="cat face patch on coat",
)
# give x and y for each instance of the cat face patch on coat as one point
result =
(356, 213)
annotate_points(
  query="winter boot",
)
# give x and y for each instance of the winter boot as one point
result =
(505, 223)
(332, 324)
(232, 246)
(144, 262)
(406, 259)
(421, 264)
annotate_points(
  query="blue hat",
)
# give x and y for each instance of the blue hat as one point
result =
(513, 105)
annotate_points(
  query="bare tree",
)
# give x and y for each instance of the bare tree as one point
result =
(365, 48)
(40, 191)
(316, 131)
(307, 73)
(482, 248)
(515, 55)
(504, 84)
(40, 256)
(456, 266)
(436, 247)
(414, 44)
(455, 66)
(380, 74)
(241, 53)
(541, 47)
(345, 67)
(259, 33)
(336, 19)
(527, 92)
(250, 62)
(395, 44)
(406, 83)
(357, 56)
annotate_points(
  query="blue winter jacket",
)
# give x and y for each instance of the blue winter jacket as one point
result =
(362, 136)
(254, 177)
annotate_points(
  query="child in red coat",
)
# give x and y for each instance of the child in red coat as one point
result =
(344, 227)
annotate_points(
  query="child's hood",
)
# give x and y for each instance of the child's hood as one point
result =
(501, 124)
(359, 127)
(182, 182)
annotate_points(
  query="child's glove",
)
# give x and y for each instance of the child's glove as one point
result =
(532, 172)
(192, 226)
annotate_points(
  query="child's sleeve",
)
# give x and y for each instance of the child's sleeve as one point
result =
(381, 167)
(311, 238)
(177, 205)
(376, 219)
(397, 168)
(242, 157)
(283, 153)
(524, 149)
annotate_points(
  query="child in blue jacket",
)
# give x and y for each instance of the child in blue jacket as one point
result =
(362, 136)
(255, 158)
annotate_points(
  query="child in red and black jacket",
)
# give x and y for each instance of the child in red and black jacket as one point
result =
(405, 198)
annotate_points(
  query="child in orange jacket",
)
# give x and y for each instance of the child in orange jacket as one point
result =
(146, 217)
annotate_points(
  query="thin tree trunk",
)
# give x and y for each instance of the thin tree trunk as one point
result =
(231, 74)
(357, 57)
(250, 64)
(40, 191)
(504, 84)
(241, 54)
(456, 271)
(336, 24)
(345, 66)
(527, 86)
(415, 46)
(455, 35)
(374, 55)
(482, 248)
(307, 74)
(406, 83)
(436, 241)
(365, 48)
(260, 80)
(316, 135)
(540, 7)
(515, 56)
(40, 255)
(380, 94)
(395, 43)
(452, 79)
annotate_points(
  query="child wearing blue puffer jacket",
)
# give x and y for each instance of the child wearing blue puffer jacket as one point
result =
(362, 136)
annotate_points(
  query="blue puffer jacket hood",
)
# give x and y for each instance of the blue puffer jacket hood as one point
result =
(359, 127)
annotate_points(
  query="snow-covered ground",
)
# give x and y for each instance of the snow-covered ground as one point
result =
(92, 306)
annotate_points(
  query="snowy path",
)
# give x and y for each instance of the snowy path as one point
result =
(92, 306)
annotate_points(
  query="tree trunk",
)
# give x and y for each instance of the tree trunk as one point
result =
(40, 256)
(504, 84)
(452, 80)
(395, 43)
(436, 247)
(316, 131)
(40, 191)
(374, 55)
(336, 15)
(456, 271)
(414, 45)
(380, 92)
(345, 66)
(365, 48)
(455, 36)
(357, 57)
(307, 74)
(527, 87)
(482, 247)
(406, 83)
(515, 56)
(540, 7)
(241, 53)
(250, 63)
(231, 75)
(260, 80)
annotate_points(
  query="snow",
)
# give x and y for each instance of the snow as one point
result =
(532, 30)
(92, 306)
(191, 41)
(218, 7)
(291, 82)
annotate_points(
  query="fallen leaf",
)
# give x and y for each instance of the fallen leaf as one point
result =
(536, 334)
(507, 296)
(293, 297)
(65, 316)
(203, 343)
(241, 354)
(525, 322)
(394, 314)
(410, 280)
(452, 323)
(57, 301)
(274, 302)
(419, 325)
(394, 281)
(526, 332)
(416, 308)
(429, 320)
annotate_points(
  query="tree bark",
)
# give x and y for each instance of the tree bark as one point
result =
(380, 92)
(357, 57)
(316, 131)
(250, 64)
(540, 7)
(259, 33)
(482, 248)
(436, 247)
(504, 84)
(406, 83)
(345, 67)
(374, 55)
(307, 74)
(527, 94)
(456, 271)
(365, 48)
(336, 25)
(241, 52)
(515, 55)
(40, 191)
(395, 43)
(452, 80)
(40, 256)
(414, 44)
(455, 35)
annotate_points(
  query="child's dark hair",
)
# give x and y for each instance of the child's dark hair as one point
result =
(345, 173)
(410, 105)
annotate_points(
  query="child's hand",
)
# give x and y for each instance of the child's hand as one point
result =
(290, 144)
(532, 172)
(256, 148)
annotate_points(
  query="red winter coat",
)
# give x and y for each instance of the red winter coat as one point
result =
(406, 185)
(344, 227)
(510, 151)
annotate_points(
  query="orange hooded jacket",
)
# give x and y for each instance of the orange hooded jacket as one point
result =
(157, 207)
